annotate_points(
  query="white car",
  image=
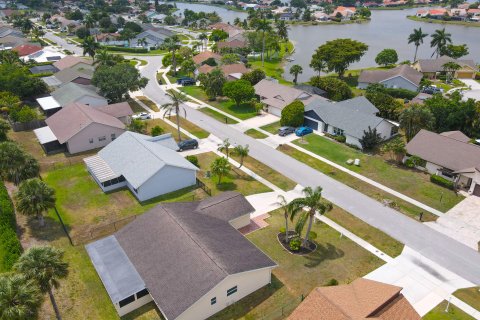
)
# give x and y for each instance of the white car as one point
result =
(142, 116)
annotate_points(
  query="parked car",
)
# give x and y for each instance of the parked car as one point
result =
(302, 131)
(187, 144)
(432, 89)
(186, 81)
(142, 116)
(285, 131)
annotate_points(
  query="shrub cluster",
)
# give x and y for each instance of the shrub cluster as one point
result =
(125, 49)
(9, 243)
(401, 93)
(441, 181)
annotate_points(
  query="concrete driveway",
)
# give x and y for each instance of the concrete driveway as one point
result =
(474, 92)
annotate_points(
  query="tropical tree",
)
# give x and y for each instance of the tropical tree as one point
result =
(239, 91)
(282, 202)
(203, 37)
(34, 197)
(175, 106)
(386, 57)
(416, 37)
(212, 83)
(295, 70)
(139, 126)
(450, 68)
(455, 51)
(371, 139)
(220, 167)
(313, 204)
(127, 34)
(4, 128)
(415, 118)
(103, 58)
(172, 44)
(263, 26)
(90, 46)
(46, 267)
(88, 22)
(440, 38)
(225, 146)
(242, 152)
(318, 66)
(188, 66)
(282, 29)
(20, 299)
(142, 42)
(15, 164)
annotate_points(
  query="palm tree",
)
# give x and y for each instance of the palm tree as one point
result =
(263, 26)
(142, 42)
(44, 265)
(172, 44)
(416, 37)
(295, 70)
(282, 29)
(27, 25)
(415, 118)
(20, 298)
(177, 99)
(34, 197)
(313, 203)
(440, 38)
(282, 202)
(450, 68)
(220, 167)
(242, 152)
(202, 37)
(15, 164)
(103, 58)
(4, 128)
(128, 35)
(90, 46)
(89, 22)
(225, 146)
(318, 65)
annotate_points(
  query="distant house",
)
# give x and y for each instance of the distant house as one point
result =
(78, 128)
(401, 77)
(277, 96)
(420, 98)
(26, 49)
(151, 37)
(235, 42)
(431, 68)
(349, 118)
(200, 58)
(110, 39)
(10, 42)
(230, 29)
(345, 12)
(187, 257)
(286, 16)
(71, 61)
(361, 299)
(6, 30)
(76, 75)
(44, 55)
(148, 166)
(449, 155)
(231, 71)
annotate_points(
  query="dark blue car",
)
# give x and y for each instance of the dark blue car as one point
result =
(302, 131)
(186, 81)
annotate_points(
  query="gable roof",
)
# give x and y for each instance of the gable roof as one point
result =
(70, 61)
(75, 117)
(152, 35)
(70, 74)
(361, 299)
(71, 92)
(203, 249)
(227, 69)
(378, 76)
(436, 65)
(138, 157)
(202, 56)
(444, 150)
(117, 110)
(279, 95)
(457, 135)
(26, 49)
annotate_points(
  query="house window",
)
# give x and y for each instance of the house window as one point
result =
(142, 293)
(113, 136)
(338, 132)
(102, 138)
(91, 140)
(393, 131)
(213, 301)
(231, 291)
(126, 301)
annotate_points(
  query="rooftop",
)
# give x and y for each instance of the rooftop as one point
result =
(405, 71)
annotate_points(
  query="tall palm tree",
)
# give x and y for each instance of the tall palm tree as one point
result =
(318, 65)
(282, 29)
(282, 202)
(242, 152)
(225, 146)
(89, 22)
(314, 204)
(416, 37)
(44, 265)
(103, 58)
(90, 46)
(27, 25)
(220, 167)
(202, 37)
(263, 26)
(440, 38)
(142, 42)
(34, 197)
(172, 44)
(295, 70)
(177, 99)
(20, 298)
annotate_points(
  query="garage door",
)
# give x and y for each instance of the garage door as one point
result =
(476, 190)
(311, 123)
(465, 75)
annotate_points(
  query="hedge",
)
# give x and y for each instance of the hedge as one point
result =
(9, 244)
(441, 181)
(401, 93)
(125, 49)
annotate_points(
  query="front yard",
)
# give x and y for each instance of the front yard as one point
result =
(272, 127)
(454, 313)
(470, 296)
(412, 183)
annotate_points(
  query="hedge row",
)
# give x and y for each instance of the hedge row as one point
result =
(9, 244)
(125, 49)
(441, 181)
(401, 93)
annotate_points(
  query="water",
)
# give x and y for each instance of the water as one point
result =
(227, 15)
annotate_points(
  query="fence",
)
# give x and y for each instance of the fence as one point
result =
(89, 234)
(202, 186)
(24, 126)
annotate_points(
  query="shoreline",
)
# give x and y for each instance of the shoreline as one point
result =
(319, 23)
(458, 23)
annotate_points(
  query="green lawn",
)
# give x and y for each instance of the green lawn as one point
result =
(335, 258)
(412, 183)
(191, 127)
(255, 134)
(166, 128)
(357, 184)
(136, 107)
(273, 65)
(149, 103)
(217, 115)
(272, 127)
(454, 313)
(470, 296)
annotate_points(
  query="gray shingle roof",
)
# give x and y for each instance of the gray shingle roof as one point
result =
(279, 95)
(43, 69)
(377, 76)
(436, 65)
(138, 157)
(70, 74)
(182, 254)
(71, 92)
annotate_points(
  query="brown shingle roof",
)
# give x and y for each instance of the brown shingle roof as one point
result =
(199, 58)
(436, 65)
(457, 135)
(226, 69)
(69, 61)
(405, 71)
(117, 110)
(279, 95)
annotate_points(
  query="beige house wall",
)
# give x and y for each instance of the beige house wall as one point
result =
(81, 141)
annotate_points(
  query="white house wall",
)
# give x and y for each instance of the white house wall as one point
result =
(352, 140)
(400, 83)
(246, 282)
(384, 128)
(81, 141)
(133, 306)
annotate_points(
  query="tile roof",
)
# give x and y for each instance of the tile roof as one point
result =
(202, 56)
(70, 61)
(377, 76)
(26, 49)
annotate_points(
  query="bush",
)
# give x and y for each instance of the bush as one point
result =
(415, 161)
(401, 93)
(125, 49)
(282, 230)
(331, 282)
(441, 181)
(341, 139)
(295, 244)
(156, 131)
(292, 114)
(337, 90)
(193, 160)
(9, 243)
(312, 235)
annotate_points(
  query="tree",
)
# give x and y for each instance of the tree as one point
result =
(142, 42)
(20, 299)
(188, 66)
(177, 98)
(416, 37)
(230, 58)
(106, 79)
(137, 125)
(314, 204)
(242, 152)
(34, 197)
(45, 266)
(90, 46)
(212, 83)
(282, 202)
(15, 164)
(440, 38)
(371, 139)
(19, 81)
(454, 51)
(387, 57)
(282, 29)
(103, 58)
(127, 34)
(295, 70)
(318, 66)
(239, 91)
(8, 101)
(388, 107)
(450, 68)
(336, 89)
(395, 148)
(254, 76)
(218, 35)
(203, 37)
(263, 26)
(225, 146)
(156, 131)
(292, 114)
(339, 54)
(4, 128)
(364, 12)
(415, 118)
(172, 44)
(220, 167)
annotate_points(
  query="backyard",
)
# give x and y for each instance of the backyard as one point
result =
(412, 183)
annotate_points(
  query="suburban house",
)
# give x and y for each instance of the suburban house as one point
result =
(148, 166)
(349, 118)
(228, 28)
(110, 39)
(44, 55)
(149, 38)
(277, 96)
(70, 61)
(231, 71)
(187, 257)
(346, 12)
(433, 67)
(46, 68)
(236, 42)
(76, 75)
(401, 77)
(10, 42)
(361, 299)
(26, 49)
(200, 58)
(449, 155)
(77, 128)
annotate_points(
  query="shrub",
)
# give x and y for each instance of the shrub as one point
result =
(295, 244)
(125, 49)
(441, 181)
(156, 131)
(292, 114)
(415, 161)
(282, 230)
(193, 160)
(341, 139)
(9, 243)
(331, 282)
(401, 93)
(312, 235)
(336, 89)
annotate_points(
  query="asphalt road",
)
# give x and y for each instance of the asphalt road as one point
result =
(443, 250)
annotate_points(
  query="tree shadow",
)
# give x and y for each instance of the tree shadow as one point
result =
(323, 252)
(50, 232)
(226, 186)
